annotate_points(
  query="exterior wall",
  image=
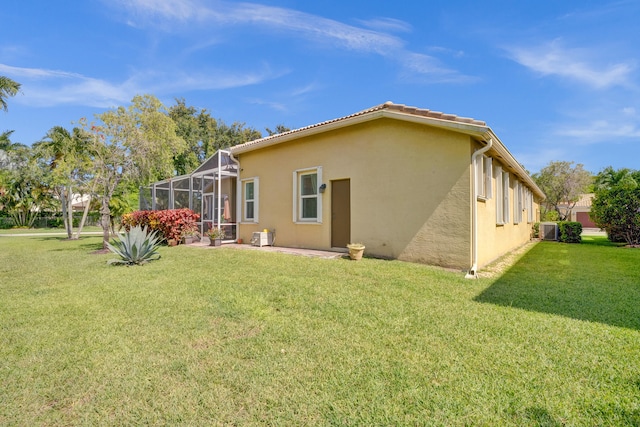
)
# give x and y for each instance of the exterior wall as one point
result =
(410, 190)
(496, 240)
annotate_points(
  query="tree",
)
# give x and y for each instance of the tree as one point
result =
(65, 155)
(8, 88)
(204, 135)
(23, 192)
(616, 205)
(279, 129)
(197, 129)
(610, 178)
(563, 184)
(617, 210)
(133, 145)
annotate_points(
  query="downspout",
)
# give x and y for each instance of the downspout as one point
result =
(473, 271)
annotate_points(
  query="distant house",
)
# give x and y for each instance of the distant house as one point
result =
(411, 184)
(581, 211)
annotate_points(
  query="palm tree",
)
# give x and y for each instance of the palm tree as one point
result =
(610, 178)
(65, 155)
(8, 88)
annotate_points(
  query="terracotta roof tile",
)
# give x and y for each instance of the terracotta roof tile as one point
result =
(386, 106)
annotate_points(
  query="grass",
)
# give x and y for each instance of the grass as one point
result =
(232, 337)
(85, 229)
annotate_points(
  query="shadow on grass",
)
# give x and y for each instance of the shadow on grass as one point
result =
(92, 244)
(594, 281)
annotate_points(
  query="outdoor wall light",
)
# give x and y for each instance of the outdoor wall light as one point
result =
(323, 187)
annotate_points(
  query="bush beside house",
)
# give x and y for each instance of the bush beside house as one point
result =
(170, 223)
(570, 232)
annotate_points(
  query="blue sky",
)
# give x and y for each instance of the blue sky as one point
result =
(556, 80)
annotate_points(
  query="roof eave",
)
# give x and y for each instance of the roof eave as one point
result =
(481, 132)
(467, 128)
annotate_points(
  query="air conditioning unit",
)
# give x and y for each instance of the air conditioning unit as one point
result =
(262, 238)
(549, 231)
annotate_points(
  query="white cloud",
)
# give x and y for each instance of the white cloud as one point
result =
(599, 125)
(603, 130)
(181, 10)
(386, 24)
(576, 64)
(45, 88)
(36, 73)
(311, 87)
(431, 69)
(212, 15)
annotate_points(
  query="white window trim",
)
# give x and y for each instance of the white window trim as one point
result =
(484, 173)
(529, 203)
(296, 196)
(256, 196)
(506, 196)
(517, 203)
(499, 196)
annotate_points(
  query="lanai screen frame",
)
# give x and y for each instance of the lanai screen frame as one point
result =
(171, 193)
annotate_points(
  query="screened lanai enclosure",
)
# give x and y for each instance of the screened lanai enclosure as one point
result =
(209, 191)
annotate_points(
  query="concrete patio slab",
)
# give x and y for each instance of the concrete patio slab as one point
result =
(291, 251)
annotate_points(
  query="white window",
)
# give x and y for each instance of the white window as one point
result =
(250, 200)
(502, 196)
(506, 196)
(483, 168)
(517, 203)
(529, 203)
(307, 203)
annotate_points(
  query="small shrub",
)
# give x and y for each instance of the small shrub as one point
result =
(135, 247)
(535, 232)
(570, 232)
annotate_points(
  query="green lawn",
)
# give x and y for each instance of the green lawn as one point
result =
(233, 337)
(87, 229)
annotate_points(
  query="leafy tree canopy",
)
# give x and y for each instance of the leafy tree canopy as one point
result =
(8, 88)
(616, 205)
(204, 135)
(134, 145)
(563, 183)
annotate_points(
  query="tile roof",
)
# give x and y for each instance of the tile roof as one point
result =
(584, 201)
(425, 113)
(477, 128)
(388, 106)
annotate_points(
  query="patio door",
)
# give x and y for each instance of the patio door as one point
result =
(340, 213)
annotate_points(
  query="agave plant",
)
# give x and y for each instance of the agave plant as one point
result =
(136, 247)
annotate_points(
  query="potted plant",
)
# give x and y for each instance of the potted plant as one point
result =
(356, 250)
(190, 234)
(215, 236)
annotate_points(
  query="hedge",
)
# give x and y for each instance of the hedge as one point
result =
(570, 232)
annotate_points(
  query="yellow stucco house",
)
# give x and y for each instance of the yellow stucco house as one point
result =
(411, 184)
